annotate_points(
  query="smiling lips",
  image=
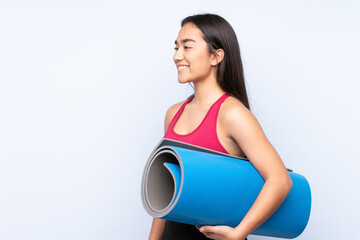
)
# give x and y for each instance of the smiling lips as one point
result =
(182, 67)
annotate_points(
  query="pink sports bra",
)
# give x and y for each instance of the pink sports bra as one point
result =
(205, 134)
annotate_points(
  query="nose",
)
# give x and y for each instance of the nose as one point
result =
(178, 55)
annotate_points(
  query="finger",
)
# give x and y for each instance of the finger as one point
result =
(208, 229)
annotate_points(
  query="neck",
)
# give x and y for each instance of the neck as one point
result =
(207, 92)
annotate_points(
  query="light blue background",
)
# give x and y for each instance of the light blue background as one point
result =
(84, 87)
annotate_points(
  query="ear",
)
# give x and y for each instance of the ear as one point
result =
(217, 57)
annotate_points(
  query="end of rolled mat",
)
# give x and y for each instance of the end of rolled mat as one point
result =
(161, 183)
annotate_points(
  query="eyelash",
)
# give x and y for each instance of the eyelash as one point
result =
(186, 47)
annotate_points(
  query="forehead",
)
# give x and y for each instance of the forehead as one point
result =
(190, 31)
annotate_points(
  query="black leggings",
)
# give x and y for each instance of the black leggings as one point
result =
(181, 231)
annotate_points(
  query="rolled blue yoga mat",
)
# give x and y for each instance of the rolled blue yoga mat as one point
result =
(190, 184)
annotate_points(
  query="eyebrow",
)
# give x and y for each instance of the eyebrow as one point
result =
(185, 40)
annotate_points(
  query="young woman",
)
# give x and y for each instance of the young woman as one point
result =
(218, 117)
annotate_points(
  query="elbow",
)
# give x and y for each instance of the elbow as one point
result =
(284, 184)
(288, 183)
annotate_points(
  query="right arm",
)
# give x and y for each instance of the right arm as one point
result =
(158, 225)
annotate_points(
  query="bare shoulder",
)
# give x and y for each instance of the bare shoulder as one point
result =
(234, 114)
(233, 109)
(170, 113)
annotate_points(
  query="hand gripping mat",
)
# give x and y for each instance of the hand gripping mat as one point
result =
(194, 185)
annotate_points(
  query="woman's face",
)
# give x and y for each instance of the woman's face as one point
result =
(192, 58)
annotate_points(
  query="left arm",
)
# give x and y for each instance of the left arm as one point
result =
(243, 127)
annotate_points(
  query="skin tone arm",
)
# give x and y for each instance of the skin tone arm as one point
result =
(242, 126)
(157, 229)
(158, 225)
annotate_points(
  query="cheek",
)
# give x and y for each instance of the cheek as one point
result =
(205, 58)
(202, 64)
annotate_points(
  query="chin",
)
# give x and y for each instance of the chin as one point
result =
(183, 81)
